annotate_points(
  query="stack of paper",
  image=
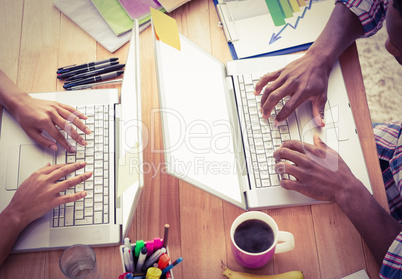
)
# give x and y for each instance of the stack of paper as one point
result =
(139, 9)
(115, 15)
(170, 5)
(108, 21)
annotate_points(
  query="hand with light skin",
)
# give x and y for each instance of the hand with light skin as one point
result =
(36, 116)
(307, 78)
(36, 196)
(322, 174)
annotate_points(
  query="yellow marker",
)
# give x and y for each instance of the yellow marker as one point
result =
(153, 272)
(165, 28)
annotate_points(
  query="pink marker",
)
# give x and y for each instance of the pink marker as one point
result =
(158, 243)
(150, 247)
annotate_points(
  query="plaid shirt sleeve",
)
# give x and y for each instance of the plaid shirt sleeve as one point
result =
(371, 13)
(392, 263)
(388, 137)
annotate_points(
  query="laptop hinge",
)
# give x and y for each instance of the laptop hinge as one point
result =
(117, 127)
(245, 183)
(236, 135)
(245, 200)
(117, 111)
(119, 211)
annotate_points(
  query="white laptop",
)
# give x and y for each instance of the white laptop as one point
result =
(210, 142)
(104, 216)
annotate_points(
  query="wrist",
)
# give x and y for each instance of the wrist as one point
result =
(10, 93)
(18, 99)
(324, 59)
(355, 190)
(14, 219)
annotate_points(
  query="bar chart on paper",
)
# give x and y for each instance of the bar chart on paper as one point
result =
(281, 9)
(268, 26)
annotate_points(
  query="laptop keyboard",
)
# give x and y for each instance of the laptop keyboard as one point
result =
(261, 137)
(94, 208)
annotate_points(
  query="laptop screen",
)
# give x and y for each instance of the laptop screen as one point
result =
(196, 124)
(130, 179)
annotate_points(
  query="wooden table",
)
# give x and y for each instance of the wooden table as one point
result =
(36, 39)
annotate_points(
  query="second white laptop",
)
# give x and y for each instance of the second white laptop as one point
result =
(113, 154)
(212, 142)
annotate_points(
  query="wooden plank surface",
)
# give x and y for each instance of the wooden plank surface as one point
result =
(10, 30)
(39, 39)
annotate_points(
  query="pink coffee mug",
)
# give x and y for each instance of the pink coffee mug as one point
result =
(258, 260)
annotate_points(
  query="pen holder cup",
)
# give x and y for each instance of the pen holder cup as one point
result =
(168, 275)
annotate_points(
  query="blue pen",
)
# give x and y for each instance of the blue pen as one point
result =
(93, 79)
(76, 67)
(87, 69)
(169, 267)
(95, 72)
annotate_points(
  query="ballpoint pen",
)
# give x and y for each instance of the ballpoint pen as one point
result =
(128, 259)
(96, 72)
(169, 267)
(86, 69)
(75, 67)
(94, 79)
(78, 80)
(127, 244)
(90, 85)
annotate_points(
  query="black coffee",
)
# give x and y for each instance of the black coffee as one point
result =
(254, 236)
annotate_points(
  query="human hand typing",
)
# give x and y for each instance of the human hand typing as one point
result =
(320, 171)
(303, 79)
(36, 116)
(40, 192)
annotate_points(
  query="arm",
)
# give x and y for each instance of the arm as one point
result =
(322, 174)
(37, 195)
(36, 116)
(307, 77)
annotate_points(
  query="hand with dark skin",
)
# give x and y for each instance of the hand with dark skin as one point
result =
(322, 174)
(307, 78)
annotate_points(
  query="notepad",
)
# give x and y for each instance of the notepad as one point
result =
(171, 5)
(85, 15)
(166, 29)
(115, 15)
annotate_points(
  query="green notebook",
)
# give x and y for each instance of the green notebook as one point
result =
(115, 15)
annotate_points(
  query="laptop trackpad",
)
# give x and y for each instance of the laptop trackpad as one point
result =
(31, 158)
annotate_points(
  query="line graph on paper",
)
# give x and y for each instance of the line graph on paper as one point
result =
(288, 14)
(266, 26)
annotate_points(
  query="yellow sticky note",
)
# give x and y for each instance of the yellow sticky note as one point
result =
(165, 28)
